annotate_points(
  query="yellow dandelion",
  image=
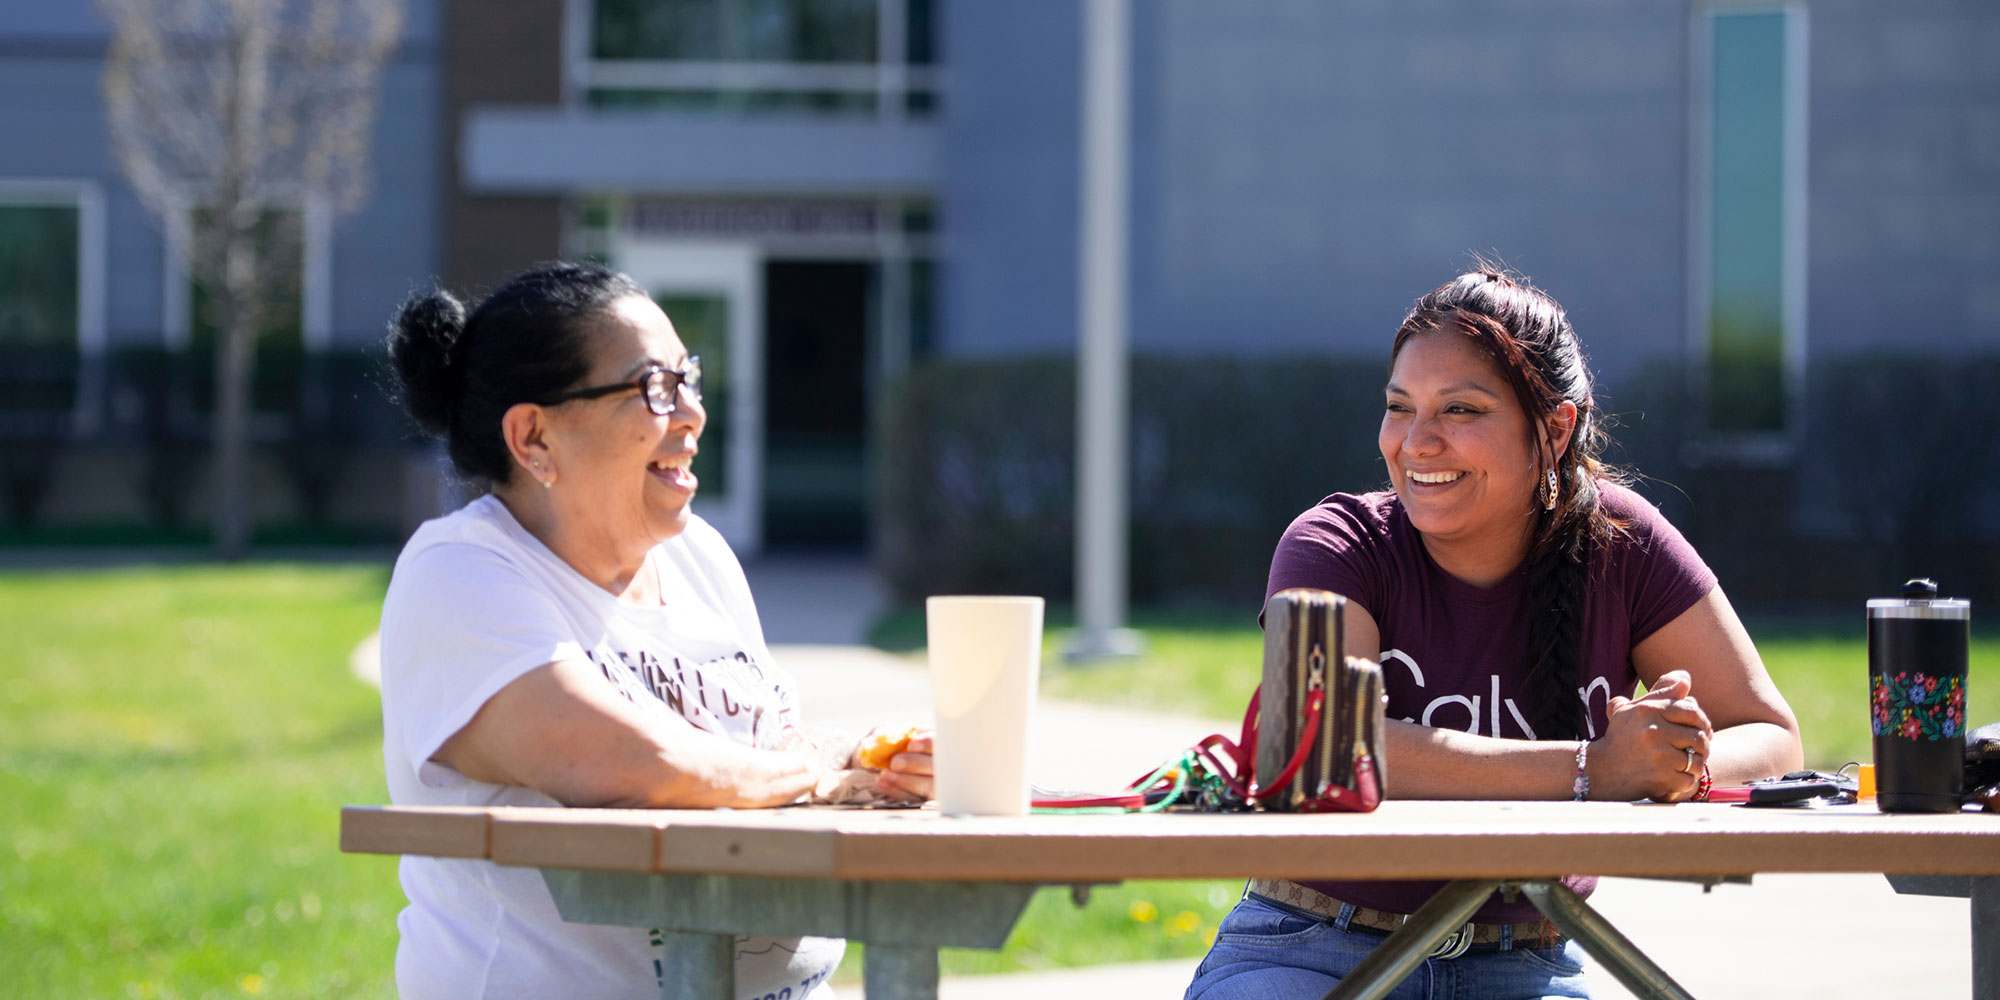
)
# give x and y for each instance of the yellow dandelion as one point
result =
(1187, 921)
(252, 984)
(1143, 911)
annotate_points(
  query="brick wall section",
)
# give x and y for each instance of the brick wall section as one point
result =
(492, 237)
(497, 52)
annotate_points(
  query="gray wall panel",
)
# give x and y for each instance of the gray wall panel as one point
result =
(1905, 177)
(135, 268)
(1010, 164)
(55, 102)
(53, 107)
(73, 19)
(28, 21)
(390, 245)
(509, 150)
(1313, 167)
(50, 91)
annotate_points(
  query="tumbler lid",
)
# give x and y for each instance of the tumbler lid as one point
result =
(1920, 600)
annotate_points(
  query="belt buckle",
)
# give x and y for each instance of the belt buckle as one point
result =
(1456, 943)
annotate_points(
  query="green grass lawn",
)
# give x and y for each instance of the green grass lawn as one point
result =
(175, 747)
(176, 744)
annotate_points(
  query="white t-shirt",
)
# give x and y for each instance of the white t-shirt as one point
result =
(476, 602)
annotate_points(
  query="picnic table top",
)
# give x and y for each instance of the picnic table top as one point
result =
(1402, 839)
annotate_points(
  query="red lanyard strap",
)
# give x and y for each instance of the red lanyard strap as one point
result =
(1315, 700)
(1238, 772)
(1241, 778)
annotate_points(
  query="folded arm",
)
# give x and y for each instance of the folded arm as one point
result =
(1755, 733)
(563, 730)
(1708, 692)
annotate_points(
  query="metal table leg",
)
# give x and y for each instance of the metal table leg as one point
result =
(1613, 950)
(1400, 953)
(1986, 937)
(891, 972)
(698, 966)
(1984, 891)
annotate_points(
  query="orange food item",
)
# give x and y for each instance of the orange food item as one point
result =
(876, 751)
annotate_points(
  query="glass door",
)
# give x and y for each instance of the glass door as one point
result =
(713, 293)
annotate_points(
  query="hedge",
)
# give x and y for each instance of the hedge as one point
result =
(975, 487)
(1893, 469)
(312, 410)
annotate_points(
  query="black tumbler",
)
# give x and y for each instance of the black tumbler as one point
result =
(1917, 651)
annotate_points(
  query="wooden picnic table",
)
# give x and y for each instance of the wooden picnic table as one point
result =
(908, 881)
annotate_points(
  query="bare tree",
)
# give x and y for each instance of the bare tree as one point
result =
(229, 117)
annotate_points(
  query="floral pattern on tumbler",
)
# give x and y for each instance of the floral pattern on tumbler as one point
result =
(1918, 706)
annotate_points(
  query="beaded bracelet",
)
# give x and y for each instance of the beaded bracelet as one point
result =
(1703, 784)
(1582, 786)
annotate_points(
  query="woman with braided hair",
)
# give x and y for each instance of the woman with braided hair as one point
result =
(1515, 593)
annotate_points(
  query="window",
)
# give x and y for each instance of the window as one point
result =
(1750, 305)
(51, 297)
(282, 330)
(294, 322)
(875, 57)
(702, 322)
(38, 276)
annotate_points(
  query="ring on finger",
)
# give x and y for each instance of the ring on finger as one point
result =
(1689, 768)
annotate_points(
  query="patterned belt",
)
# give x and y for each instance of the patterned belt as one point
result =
(1534, 933)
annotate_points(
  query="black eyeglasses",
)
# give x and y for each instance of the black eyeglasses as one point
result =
(658, 384)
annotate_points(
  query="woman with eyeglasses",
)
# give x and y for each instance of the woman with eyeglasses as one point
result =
(578, 635)
(1515, 593)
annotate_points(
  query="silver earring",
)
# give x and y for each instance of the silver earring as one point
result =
(1549, 502)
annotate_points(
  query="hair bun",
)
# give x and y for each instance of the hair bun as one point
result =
(421, 338)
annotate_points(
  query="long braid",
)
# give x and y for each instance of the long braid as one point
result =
(1557, 591)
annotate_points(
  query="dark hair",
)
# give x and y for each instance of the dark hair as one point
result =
(461, 372)
(1529, 340)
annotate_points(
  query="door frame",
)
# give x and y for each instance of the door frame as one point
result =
(736, 272)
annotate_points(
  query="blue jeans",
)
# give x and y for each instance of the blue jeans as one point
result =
(1269, 951)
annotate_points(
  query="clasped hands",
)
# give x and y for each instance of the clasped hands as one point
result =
(1655, 747)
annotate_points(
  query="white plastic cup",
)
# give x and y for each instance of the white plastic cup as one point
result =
(985, 654)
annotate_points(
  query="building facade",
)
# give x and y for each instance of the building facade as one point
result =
(96, 296)
(1740, 203)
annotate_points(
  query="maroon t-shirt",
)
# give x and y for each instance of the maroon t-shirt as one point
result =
(1455, 655)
